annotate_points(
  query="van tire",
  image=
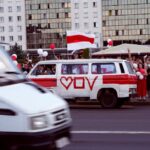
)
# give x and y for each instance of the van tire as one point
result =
(108, 100)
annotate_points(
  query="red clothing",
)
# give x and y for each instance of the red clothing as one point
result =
(141, 87)
(141, 84)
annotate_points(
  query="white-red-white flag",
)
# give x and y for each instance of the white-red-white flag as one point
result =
(77, 40)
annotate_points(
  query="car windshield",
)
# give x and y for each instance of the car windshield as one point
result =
(9, 73)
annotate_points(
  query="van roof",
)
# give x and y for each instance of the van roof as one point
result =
(79, 61)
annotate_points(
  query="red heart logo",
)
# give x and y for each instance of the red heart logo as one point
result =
(66, 82)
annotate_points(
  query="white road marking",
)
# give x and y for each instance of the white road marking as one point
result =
(110, 132)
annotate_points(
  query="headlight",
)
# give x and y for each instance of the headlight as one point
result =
(39, 122)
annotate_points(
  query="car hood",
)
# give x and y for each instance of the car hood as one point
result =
(30, 99)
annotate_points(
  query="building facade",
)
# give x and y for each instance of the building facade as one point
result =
(86, 17)
(12, 23)
(126, 21)
(47, 22)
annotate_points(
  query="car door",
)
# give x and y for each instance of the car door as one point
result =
(44, 75)
(72, 80)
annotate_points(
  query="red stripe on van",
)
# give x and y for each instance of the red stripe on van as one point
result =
(119, 79)
(46, 82)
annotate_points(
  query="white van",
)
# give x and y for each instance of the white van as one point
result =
(110, 81)
(30, 115)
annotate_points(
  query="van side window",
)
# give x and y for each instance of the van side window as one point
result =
(130, 68)
(74, 69)
(46, 69)
(103, 68)
(121, 68)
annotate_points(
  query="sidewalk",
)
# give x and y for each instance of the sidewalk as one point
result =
(95, 104)
(136, 101)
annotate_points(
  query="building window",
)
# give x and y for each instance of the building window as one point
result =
(18, 8)
(141, 32)
(39, 26)
(104, 23)
(19, 18)
(57, 15)
(117, 32)
(66, 15)
(2, 38)
(19, 38)
(94, 4)
(86, 25)
(30, 7)
(2, 28)
(10, 28)
(44, 16)
(85, 4)
(77, 25)
(95, 14)
(76, 5)
(86, 15)
(63, 5)
(95, 24)
(11, 38)
(1, 19)
(9, 9)
(110, 12)
(1, 9)
(76, 15)
(39, 6)
(48, 6)
(29, 17)
(19, 28)
(10, 19)
(116, 12)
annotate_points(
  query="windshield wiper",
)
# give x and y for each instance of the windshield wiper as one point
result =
(12, 72)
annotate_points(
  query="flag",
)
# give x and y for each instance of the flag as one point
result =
(77, 40)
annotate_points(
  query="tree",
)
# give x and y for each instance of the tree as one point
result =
(21, 55)
(86, 53)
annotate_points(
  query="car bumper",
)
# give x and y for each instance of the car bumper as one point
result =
(47, 139)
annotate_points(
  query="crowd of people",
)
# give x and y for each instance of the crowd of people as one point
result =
(141, 66)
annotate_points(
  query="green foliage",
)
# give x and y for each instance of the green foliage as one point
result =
(21, 55)
(86, 54)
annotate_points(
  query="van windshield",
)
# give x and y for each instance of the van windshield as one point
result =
(9, 73)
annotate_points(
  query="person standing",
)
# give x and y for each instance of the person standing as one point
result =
(141, 82)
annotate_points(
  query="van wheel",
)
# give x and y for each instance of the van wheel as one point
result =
(108, 100)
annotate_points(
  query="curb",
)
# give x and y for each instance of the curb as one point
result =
(95, 104)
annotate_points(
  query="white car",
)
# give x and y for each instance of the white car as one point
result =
(30, 116)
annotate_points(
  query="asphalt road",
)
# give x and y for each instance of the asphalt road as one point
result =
(127, 128)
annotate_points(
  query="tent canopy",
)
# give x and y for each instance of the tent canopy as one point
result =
(123, 49)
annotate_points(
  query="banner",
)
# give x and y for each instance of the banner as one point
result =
(77, 40)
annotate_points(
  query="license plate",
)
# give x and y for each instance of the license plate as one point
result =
(62, 142)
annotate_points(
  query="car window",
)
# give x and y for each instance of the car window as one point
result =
(48, 69)
(74, 69)
(130, 68)
(103, 68)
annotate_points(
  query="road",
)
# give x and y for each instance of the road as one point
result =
(127, 128)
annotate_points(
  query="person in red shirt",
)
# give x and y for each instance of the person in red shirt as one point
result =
(141, 83)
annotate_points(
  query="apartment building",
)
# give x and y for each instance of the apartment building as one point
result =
(47, 22)
(126, 21)
(87, 17)
(12, 23)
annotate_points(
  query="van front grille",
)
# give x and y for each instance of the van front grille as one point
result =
(60, 117)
